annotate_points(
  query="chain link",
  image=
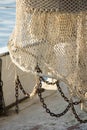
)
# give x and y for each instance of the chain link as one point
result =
(17, 86)
(16, 95)
(59, 89)
(76, 115)
(45, 106)
(47, 82)
(63, 95)
(21, 88)
(70, 104)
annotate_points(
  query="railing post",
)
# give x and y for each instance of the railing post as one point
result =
(2, 103)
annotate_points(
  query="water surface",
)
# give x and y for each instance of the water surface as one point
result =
(7, 20)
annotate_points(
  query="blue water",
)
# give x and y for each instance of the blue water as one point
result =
(7, 20)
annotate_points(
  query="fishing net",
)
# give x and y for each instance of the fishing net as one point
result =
(53, 35)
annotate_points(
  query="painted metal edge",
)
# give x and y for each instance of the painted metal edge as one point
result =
(3, 51)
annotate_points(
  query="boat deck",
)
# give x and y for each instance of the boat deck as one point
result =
(33, 117)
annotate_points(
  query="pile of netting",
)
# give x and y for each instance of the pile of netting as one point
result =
(53, 35)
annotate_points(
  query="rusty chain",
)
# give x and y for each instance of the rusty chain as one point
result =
(16, 95)
(60, 90)
(17, 86)
(63, 95)
(76, 115)
(45, 106)
(47, 82)
(57, 84)
(70, 103)
(21, 88)
(41, 79)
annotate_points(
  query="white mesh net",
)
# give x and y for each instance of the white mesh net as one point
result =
(52, 34)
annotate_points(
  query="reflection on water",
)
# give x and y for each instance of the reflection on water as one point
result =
(7, 20)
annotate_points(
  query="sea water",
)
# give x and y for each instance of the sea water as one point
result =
(7, 20)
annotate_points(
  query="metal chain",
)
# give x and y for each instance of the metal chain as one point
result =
(17, 86)
(59, 89)
(47, 82)
(63, 95)
(45, 106)
(57, 84)
(16, 95)
(21, 87)
(71, 104)
(76, 115)
(40, 71)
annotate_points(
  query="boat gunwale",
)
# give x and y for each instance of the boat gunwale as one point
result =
(4, 51)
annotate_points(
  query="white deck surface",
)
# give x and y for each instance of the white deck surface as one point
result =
(33, 117)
